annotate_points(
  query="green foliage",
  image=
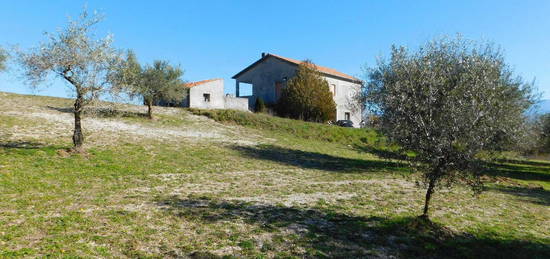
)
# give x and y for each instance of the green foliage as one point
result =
(307, 96)
(76, 55)
(128, 76)
(159, 82)
(260, 105)
(3, 58)
(545, 133)
(447, 102)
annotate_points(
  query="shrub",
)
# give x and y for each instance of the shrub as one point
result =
(307, 96)
(260, 105)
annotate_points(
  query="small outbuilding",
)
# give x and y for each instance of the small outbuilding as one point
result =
(209, 94)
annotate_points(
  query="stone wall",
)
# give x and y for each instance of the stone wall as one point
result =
(236, 103)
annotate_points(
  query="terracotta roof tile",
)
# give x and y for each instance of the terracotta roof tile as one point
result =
(321, 69)
(189, 85)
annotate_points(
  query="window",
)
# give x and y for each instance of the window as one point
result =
(346, 116)
(245, 89)
(206, 97)
(333, 89)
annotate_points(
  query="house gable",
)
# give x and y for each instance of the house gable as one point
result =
(325, 71)
(267, 66)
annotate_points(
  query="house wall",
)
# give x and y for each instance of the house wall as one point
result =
(264, 76)
(235, 103)
(346, 100)
(214, 88)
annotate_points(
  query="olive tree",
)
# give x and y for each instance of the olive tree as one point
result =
(447, 102)
(154, 83)
(161, 82)
(544, 133)
(307, 96)
(3, 58)
(78, 57)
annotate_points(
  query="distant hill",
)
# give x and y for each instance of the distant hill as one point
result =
(544, 106)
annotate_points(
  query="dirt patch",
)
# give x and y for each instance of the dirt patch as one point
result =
(299, 198)
(103, 131)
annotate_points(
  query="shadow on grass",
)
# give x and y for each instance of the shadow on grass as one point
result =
(330, 234)
(520, 170)
(29, 148)
(525, 162)
(534, 195)
(21, 145)
(312, 160)
(380, 152)
(102, 112)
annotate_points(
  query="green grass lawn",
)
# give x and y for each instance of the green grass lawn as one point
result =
(293, 189)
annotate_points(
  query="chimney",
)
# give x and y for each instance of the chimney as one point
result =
(263, 54)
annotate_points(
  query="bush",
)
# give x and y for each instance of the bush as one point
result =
(260, 105)
(307, 96)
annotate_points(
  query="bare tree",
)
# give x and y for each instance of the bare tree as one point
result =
(447, 102)
(77, 56)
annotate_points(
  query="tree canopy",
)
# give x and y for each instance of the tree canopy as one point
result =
(447, 102)
(3, 58)
(154, 83)
(307, 96)
(544, 137)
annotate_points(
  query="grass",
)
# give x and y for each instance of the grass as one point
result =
(305, 130)
(291, 195)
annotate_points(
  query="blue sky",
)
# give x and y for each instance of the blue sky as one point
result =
(212, 39)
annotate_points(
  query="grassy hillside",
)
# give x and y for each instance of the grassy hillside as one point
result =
(296, 128)
(240, 185)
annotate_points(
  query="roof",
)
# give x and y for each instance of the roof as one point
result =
(192, 84)
(323, 70)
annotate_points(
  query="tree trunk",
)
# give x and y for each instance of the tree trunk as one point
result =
(429, 193)
(78, 137)
(150, 110)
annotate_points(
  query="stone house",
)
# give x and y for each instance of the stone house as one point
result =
(209, 94)
(269, 75)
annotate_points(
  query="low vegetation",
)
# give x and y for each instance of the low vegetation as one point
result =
(241, 185)
(295, 128)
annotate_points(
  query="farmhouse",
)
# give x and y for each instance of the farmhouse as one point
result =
(209, 94)
(270, 73)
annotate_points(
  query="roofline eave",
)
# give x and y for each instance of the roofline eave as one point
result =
(355, 80)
